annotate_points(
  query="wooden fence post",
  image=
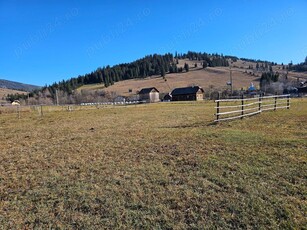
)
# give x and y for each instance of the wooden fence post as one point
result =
(288, 102)
(242, 106)
(268, 104)
(42, 114)
(218, 107)
(18, 111)
(275, 103)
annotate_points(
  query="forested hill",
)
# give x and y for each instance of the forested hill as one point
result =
(148, 66)
(17, 86)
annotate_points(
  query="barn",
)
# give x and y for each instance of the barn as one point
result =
(149, 95)
(192, 93)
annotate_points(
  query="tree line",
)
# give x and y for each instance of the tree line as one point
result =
(210, 60)
(267, 78)
(148, 66)
(142, 68)
(301, 67)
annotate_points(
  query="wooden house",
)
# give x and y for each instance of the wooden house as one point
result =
(16, 102)
(193, 93)
(149, 95)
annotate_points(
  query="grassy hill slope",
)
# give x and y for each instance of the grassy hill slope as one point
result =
(216, 77)
(17, 85)
(4, 92)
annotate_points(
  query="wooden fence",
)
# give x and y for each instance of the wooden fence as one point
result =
(229, 109)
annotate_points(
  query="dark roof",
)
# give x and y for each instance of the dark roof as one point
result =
(302, 89)
(147, 90)
(186, 90)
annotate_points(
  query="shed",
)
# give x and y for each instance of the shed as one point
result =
(192, 93)
(149, 95)
(16, 102)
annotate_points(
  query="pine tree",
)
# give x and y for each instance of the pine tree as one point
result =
(162, 72)
(205, 64)
(186, 67)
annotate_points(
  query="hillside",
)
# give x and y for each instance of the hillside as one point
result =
(209, 78)
(5, 92)
(166, 72)
(17, 86)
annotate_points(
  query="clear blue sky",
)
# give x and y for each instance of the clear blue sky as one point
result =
(47, 41)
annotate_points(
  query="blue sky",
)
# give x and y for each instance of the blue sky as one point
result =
(42, 42)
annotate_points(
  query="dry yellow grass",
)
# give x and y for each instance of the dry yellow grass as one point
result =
(91, 87)
(155, 166)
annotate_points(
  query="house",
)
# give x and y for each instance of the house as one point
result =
(149, 95)
(192, 93)
(252, 90)
(16, 102)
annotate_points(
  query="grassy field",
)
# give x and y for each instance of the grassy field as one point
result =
(157, 166)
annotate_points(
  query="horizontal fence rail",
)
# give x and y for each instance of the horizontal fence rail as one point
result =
(20, 111)
(230, 109)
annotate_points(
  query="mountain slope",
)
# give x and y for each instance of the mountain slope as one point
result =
(216, 77)
(4, 92)
(5, 84)
(211, 78)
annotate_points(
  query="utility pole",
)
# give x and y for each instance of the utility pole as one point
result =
(230, 76)
(165, 80)
(231, 81)
(57, 97)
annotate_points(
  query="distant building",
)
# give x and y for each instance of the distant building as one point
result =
(16, 102)
(193, 93)
(167, 97)
(149, 95)
(251, 88)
